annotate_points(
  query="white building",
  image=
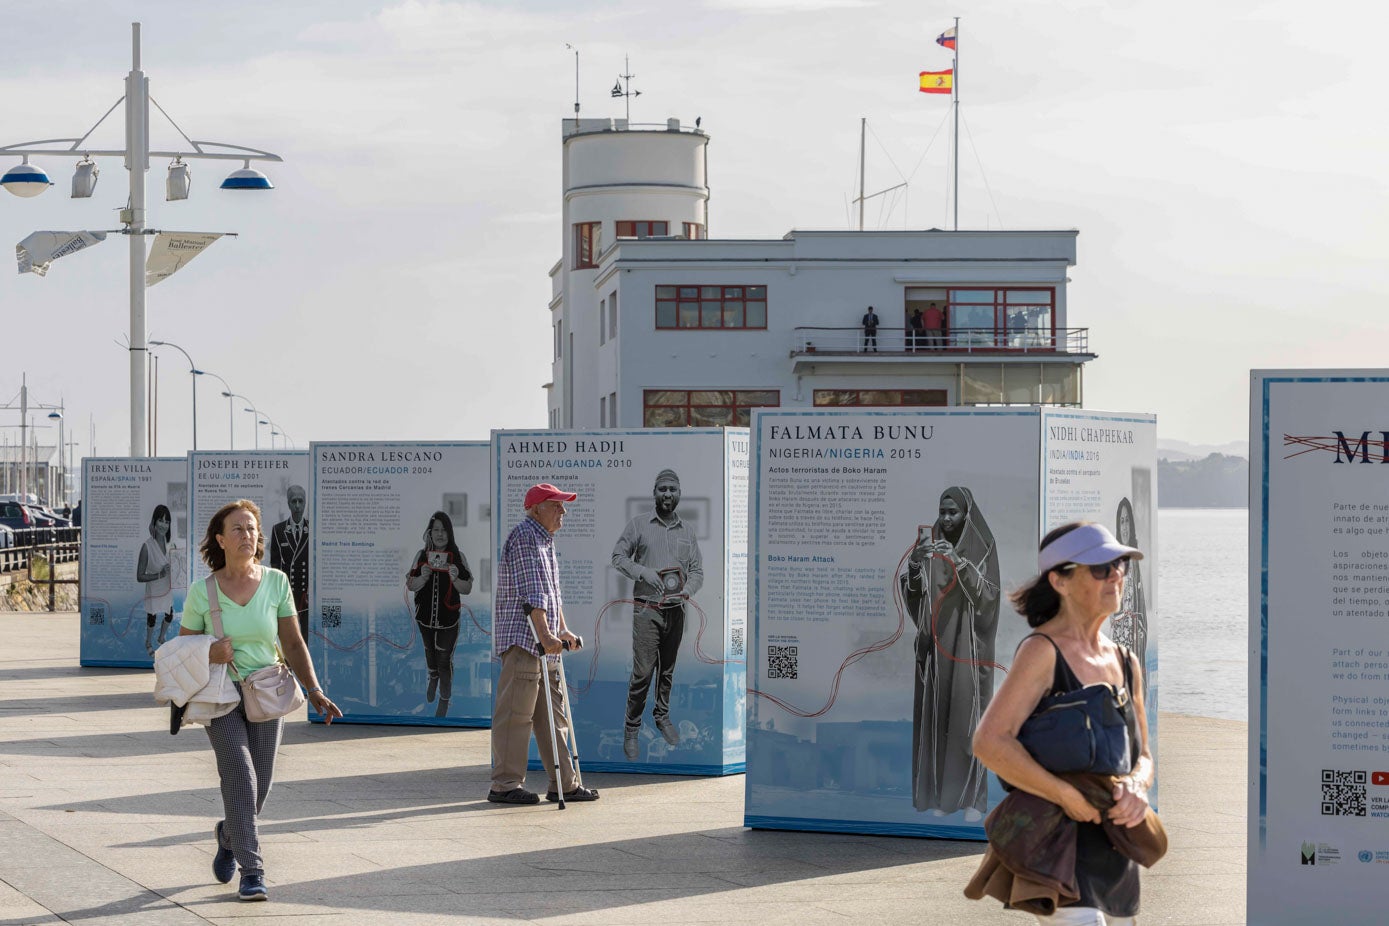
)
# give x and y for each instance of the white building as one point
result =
(655, 324)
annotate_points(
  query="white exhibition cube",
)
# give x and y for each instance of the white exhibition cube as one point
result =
(869, 668)
(123, 498)
(387, 653)
(608, 536)
(1318, 646)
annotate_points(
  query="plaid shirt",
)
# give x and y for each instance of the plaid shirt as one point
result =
(527, 574)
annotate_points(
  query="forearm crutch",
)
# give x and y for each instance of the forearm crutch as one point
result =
(549, 709)
(571, 737)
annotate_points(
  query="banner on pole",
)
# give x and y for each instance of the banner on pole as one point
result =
(171, 251)
(42, 248)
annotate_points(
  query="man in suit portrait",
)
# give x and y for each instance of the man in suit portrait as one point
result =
(289, 553)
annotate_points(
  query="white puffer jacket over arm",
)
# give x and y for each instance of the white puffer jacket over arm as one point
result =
(183, 675)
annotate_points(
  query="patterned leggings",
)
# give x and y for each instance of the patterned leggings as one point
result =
(246, 764)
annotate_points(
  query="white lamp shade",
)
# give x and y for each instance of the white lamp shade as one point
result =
(84, 179)
(247, 178)
(25, 180)
(180, 179)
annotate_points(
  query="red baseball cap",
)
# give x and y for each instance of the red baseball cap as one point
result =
(545, 493)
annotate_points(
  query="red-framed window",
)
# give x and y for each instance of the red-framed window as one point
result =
(694, 231)
(704, 307)
(1001, 317)
(646, 229)
(588, 242)
(704, 408)
(879, 398)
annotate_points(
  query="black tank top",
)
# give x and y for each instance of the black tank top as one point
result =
(1107, 879)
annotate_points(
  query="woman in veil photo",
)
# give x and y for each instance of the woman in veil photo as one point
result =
(1129, 625)
(951, 589)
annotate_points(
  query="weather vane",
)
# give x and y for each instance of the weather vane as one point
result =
(629, 92)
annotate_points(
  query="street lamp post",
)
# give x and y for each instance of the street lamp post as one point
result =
(226, 394)
(137, 154)
(277, 431)
(62, 472)
(255, 418)
(193, 373)
(236, 395)
(67, 483)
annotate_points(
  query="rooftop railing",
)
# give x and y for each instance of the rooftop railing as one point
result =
(954, 342)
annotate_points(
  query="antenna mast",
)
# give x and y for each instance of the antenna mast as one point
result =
(576, 83)
(629, 92)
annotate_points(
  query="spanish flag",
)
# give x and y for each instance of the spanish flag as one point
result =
(937, 81)
(947, 38)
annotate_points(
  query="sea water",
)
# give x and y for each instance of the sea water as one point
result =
(1203, 635)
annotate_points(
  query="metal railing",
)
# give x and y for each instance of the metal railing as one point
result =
(993, 341)
(56, 544)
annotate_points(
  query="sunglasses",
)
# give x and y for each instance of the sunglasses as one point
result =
(1104, 570)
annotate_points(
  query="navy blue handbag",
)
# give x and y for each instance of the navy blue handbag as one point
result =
(1085, 729)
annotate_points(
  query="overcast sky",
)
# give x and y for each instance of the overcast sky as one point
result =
(1224, 163)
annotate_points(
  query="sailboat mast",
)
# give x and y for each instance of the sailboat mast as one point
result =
(862, 166)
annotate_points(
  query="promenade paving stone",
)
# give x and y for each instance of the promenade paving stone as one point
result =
(106, 819)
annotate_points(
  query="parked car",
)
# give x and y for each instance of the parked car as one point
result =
(15, 516)
(29, 526)
(51, 515)
(6, 537)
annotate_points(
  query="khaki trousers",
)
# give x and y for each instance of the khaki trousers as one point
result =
(519, 710)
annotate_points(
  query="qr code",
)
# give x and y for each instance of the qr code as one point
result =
(330, 615)
(735, 646)
(1342, 793)
(783, 662)
(97, 615)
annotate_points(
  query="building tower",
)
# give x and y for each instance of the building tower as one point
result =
(621, 181)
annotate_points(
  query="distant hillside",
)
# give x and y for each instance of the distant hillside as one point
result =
(1217, 481)
(1171, 449)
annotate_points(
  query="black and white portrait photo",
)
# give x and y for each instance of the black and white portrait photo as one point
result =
(289, 552)
(951, 588)
(660, 554)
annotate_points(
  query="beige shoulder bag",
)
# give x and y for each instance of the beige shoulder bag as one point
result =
(266, 694)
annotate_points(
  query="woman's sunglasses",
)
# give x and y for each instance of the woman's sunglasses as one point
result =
(1104, 570)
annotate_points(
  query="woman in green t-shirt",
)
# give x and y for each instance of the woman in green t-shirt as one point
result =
(256, 607)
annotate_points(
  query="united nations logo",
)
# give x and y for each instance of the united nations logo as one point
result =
(1366, 856)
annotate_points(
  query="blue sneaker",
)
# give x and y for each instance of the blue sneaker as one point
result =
(224, 862)
(253, 888)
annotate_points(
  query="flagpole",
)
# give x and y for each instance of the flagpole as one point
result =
(955, 88)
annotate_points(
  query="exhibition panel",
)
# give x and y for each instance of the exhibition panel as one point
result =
(1318, 651)
(135, 552)
(401, 598)
(653, 559)
(884, 547)
(1101, 466)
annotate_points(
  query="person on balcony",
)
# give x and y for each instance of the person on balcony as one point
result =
(934, 321)
(870, 331)
(915, 329)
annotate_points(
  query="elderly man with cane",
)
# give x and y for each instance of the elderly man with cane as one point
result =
(528, 633)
